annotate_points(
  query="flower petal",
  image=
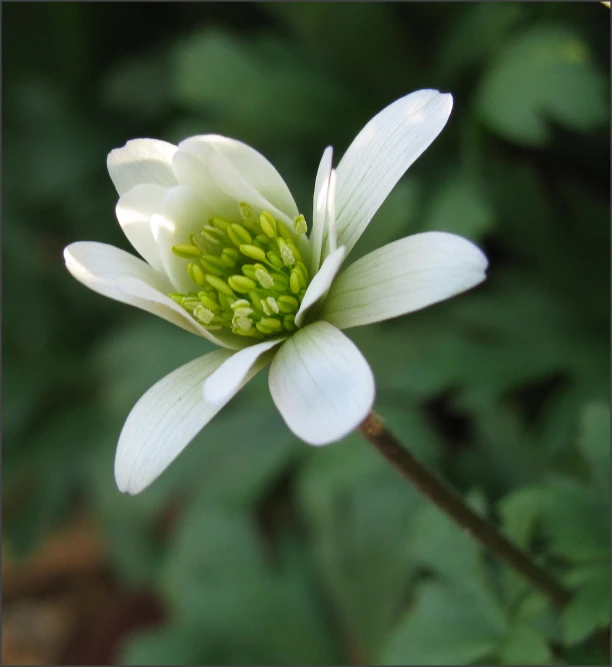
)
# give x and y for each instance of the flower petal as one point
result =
(225, 381)
(319, 207)
(134, 211)
(380, 155)
(184, 212)
(141, 161)
(246, 165)
(321, 384)
(147, 294)
(320, 284)
(234, 183)
(165, 420)
(403, 276)
(118, 275)
(193, 172)
(98, 266)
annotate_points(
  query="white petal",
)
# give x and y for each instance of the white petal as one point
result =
(165, 420)
(321, 384)
(184, 212)
(193, 172)
(249, 166)
(141, 161)
(380, 155)
(226, 380)
(403, 276)
(134, 211)
(321, 283)
(99, 266)
(331, 228)
(141, 290)
(118, 275)
(234, 183)
(319, 208)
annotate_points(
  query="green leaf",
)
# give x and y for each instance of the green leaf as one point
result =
(439, 544)
(524, 646)
(169, 644)
(461, 206)
(589, 608)
(248, 607)
(259, 88)
(135, 355)
(576, 522)
(519, 511)
(446, 625)
(138, 87)
(545, 73)
(358, 511)
(313, 30)
(491, 22)
(594, 442)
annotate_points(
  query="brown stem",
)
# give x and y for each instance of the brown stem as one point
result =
(450, 502)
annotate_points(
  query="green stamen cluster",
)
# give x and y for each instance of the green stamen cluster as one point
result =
(252, 277)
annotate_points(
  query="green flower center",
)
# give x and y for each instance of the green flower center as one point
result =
(252, 277)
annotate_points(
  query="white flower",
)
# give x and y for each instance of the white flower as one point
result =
(226, 258)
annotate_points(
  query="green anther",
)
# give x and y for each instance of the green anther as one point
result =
(272, 305)
(268, 325)
(220, 223)
(211, 268)
(240, 303)
(303, 275)
(243, 323)
(299, 225)
(242, 312)
(256, 300)
(186, 250)
(289, 322)
(302, 267)
(208, 301)
(251, 333)
(281, 283)
(286, 253)
(295, 251)
(275, 259)
(229, 257)
(220, 285)
(249, 271)
(241, 284)
(253, 252)
(239, 235)
(248, 215)
(196, 274)
(295, 282)
(284, 232)
(226, 301)
(204, 315)
(199, 242)
(268, 281)
(214, 234)
(287, 304)
(268, 224)
(217, 262)
(190, 303)
(263, 277)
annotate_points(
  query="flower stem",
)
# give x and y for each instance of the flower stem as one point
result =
(451, 502)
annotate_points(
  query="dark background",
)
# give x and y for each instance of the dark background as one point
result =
(253, 547)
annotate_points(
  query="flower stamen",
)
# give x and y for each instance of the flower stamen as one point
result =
(250, 275)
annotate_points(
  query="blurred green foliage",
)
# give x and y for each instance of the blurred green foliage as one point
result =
(282, 553)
